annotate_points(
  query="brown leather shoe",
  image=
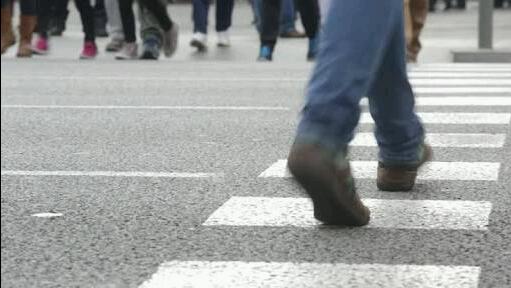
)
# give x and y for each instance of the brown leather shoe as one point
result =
(8, 38)
(293, 34)
(332, 189)
(401, 178)
(27, 26)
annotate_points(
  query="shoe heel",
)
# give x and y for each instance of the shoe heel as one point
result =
(395, 180)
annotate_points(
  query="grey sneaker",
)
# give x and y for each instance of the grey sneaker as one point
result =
(170, 40)
(115, 45)
(129, 51)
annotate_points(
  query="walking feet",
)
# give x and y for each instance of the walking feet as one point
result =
(90, 50)
(392, 177)
(327, 179)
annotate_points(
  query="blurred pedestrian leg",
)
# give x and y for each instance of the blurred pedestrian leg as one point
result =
(86, 10)
(28, 20)
(417, 13)
(8, 38)
(223, 18)
(288, 21)
(59, 14)
(309, 13)
(100, 19)
(362, 53)
(44, 17)
(114, 26)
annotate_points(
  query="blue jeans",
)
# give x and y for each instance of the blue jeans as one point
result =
(287, 15)
(223, 15)
(362, 53)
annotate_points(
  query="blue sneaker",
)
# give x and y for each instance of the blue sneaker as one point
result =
(313, 48)
(265, 54)
(151, 49)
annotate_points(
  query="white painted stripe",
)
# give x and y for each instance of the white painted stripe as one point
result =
(455, 171)
(237, 274)
(454, 118)
(430, 118)
(114, 107)
(458, 101)
(461, 82)
(387, 214)
(458, 75)
(458, 140)
(47, 215)
(462, 90)
(110, 174)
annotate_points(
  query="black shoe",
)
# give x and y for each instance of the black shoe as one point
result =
(151, 49)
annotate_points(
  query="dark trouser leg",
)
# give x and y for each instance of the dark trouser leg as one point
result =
(87, 17)
(200, 16)
(224, 14)
(28, 7)
(270, 17)
(309, 13)
(159, 11)
(128, 20)
(44, 15)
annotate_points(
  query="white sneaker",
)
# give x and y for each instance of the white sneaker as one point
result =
(224, 40)
(129, 51)
(199, 41)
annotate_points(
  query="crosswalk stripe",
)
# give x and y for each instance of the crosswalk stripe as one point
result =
(461, 82)
(457, 101)
(457, 75)
(447, 171)
(388, 214)
(133, 107)
(236, 274)
(457, 140)
(462, 90)
(110, 174)
(430, 81)
(454, 118)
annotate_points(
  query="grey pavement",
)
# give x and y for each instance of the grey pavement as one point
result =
(233, 119)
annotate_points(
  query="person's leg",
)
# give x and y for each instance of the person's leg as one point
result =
(418, 13)
(159, 10)
(28, 21)
(432, 5)
(270, 22)
(86, 11)
(59, 17)
(346, 61)
(258, 6)
(151, 34)
(200, 16)
(8, 38)
(461, 4)
(43, 19)
(223, 14)
(398, 130)
(309, 13)
(128, 20)
(170, 35)
(287, 17)
(87, 17)
(100, 18)
(44, 14)
(113, 13)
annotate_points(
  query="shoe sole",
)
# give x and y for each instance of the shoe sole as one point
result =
(330, 207)
(401, 179)
(199, 45)
(148, 56)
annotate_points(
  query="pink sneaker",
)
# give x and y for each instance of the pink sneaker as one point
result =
(90, 50)
(41, 46)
